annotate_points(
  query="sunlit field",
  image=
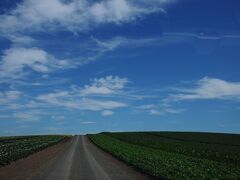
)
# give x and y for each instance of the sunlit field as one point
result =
(176, 155)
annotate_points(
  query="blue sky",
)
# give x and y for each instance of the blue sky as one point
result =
(78, 66)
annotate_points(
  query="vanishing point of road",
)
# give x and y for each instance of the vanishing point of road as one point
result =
(74, 159)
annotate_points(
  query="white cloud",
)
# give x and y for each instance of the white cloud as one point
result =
(107, 113)
(15, 60)
(111, 82)
(88, 90)
(13, 94)
(31, 15)
(116, 42)
(77, 98)
(208, 88)
(58, 118)
(7, 97)
(28, 116)
(74, 102)
(102, 94)
(106, 85)
(108, 45)
(147, 106)
(96, 48)
(112, 11)
(20, 40)
(88, 122)
(97, 105)
(155, 112)
(167, 38)
(201, 35)
(174, 111)
(160, 109)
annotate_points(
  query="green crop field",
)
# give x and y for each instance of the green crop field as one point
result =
(176, 155)
(14, 148)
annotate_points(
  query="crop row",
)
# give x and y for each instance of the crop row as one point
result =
(163, 164)
(226, 153)
(14, 148)
(211, 138)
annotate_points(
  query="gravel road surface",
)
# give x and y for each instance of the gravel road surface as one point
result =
(76, 159)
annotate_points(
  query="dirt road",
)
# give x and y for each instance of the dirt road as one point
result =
(77, 159)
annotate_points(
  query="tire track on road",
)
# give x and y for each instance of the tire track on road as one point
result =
(77, 159)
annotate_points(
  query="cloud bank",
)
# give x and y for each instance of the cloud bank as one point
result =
(15, 62)
(208, 88)
(93, 97)
(75, 15)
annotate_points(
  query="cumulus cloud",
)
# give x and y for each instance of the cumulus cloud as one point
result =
(208, 88)
(112, 11)
(75, 15)
(19, 60)
(107, 85)
(103, 95)
(78, 98)
(16, 60)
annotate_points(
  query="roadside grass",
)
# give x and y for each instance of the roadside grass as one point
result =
(175, 156)
(14, 148)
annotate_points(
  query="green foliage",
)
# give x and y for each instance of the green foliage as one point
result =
(14, 148)
(218, 147)
(213, 138)
(144, 151)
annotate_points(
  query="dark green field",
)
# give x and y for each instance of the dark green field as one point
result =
(14, 148)
(178, 155)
